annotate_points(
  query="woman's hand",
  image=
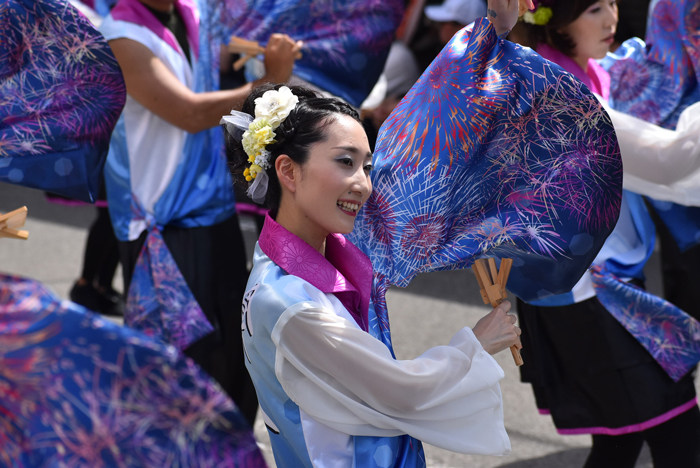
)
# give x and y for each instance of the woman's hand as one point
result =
(497, 331)
(503, 14)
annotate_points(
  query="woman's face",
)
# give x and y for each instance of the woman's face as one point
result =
(335, 180)
(593, 32)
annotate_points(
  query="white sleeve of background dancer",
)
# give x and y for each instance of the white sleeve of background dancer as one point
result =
(346, 379)
(661, 163)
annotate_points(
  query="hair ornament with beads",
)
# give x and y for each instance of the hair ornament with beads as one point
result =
(271, 109)
(541, 15)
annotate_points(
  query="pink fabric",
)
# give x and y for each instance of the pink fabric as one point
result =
(345, 271)
(133, 11)
(595, 78)
(70, 202)
(633, 427)
(249, 208)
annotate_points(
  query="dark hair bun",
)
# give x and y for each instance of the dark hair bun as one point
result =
(303, 127)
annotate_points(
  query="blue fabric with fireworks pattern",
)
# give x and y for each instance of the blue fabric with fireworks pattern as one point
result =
(77, 390)
(61, 93)
(159, 302)
(670, 335)
(494, 152)
(656, 82)
(346, 42)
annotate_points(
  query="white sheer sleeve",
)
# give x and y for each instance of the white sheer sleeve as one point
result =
(348, 380)
(661, 163)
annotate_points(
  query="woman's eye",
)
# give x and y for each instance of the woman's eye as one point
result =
(346, 161)
(368, 168)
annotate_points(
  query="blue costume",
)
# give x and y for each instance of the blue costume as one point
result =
(582, 329)
(172, 205)
(331, 391)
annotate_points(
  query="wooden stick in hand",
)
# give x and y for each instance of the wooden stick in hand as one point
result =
(248, 50)
(9, 222)
(492, 284)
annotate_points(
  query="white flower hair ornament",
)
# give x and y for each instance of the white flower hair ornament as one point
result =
(255, 134)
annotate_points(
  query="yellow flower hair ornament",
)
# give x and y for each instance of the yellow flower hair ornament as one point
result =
(270, 111)
(540, 16)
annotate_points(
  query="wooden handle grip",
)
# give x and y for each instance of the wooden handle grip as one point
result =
(516, 355)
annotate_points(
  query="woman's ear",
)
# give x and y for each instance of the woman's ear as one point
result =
(286, 174)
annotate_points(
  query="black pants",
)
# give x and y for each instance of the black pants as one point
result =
(213, 262)
(673, 444)
(101, 252)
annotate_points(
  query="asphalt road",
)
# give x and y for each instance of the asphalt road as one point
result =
(426, 314)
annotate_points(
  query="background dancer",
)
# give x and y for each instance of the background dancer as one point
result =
(169, 191)
(585, 368)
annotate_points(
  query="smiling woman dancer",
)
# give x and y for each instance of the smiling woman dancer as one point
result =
(331, 391)
(584, 366)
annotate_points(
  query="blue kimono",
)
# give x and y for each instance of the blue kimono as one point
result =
(331, 391)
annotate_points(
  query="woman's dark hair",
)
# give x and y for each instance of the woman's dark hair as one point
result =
(564, 12)
(303, 127)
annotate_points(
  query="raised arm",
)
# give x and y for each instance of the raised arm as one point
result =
(154, 86)
(503, 14)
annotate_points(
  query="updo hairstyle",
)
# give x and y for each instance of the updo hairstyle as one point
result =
(564, 12)
(303, 127)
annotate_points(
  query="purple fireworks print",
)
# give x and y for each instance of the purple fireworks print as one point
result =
(61, 93)
(670, 335)
(494, 152)
(77, 391)
(346, 42)
(159, 302)
(656, 81)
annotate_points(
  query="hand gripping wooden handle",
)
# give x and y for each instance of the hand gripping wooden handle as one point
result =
(492, 284)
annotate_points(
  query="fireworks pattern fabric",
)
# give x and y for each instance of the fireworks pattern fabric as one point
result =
(346, 42)
(159, 302)
(76, 391)
(495, 152)
(670, 335)
(656, 81)
(61, 93)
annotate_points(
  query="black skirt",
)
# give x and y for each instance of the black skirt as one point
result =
(592, 375)
(212, 260)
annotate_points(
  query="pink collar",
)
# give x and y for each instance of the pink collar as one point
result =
(133, 11)
(596, 78)
(345, 271)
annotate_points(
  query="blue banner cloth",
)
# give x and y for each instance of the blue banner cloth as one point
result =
(346, 42)
(77, 390)
(495, 152)
(61, 93)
